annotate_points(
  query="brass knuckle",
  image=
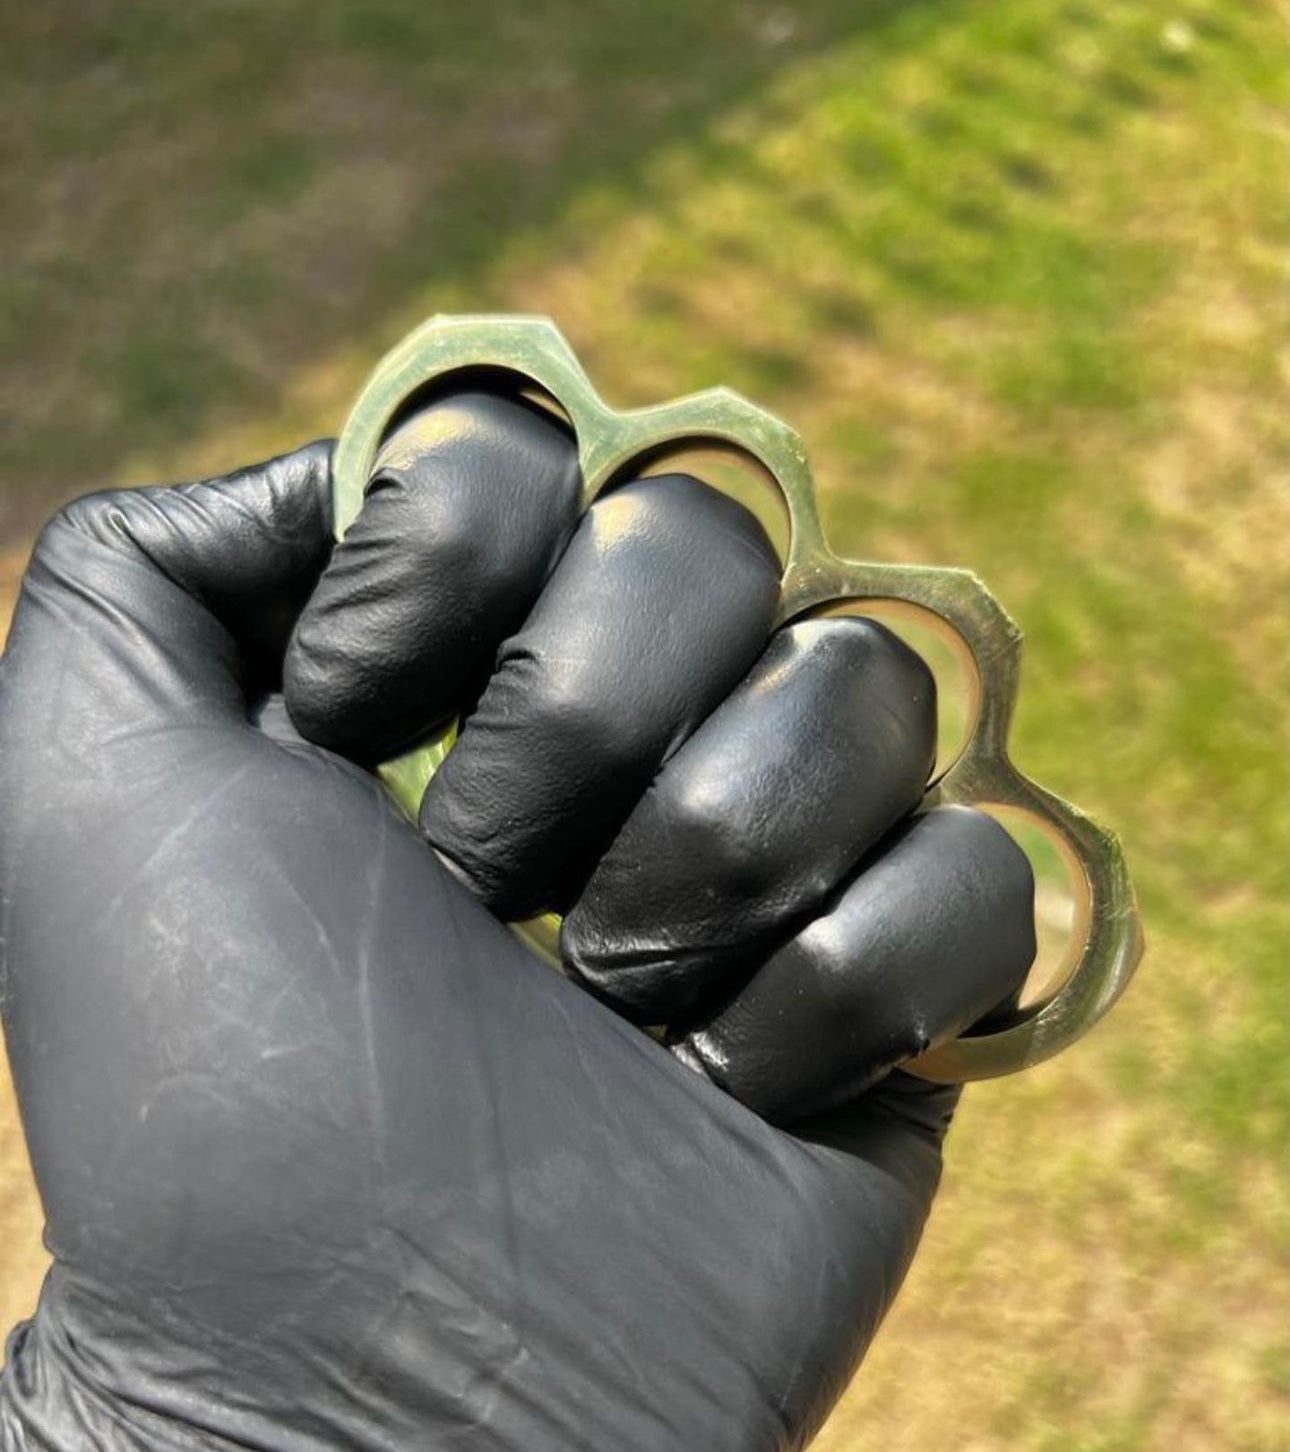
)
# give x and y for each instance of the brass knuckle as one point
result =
(531, 353)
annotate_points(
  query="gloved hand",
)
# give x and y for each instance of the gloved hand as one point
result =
(328, 1158)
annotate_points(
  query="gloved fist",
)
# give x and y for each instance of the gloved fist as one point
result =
(328, 1158)
(640, 756)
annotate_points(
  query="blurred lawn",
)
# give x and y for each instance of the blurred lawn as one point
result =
(1016, 270)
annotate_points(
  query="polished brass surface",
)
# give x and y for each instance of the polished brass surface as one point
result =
(530, 353)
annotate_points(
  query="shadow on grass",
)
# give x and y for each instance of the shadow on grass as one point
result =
(206, 198)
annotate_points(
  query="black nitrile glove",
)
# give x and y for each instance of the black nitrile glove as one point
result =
(329, 1159)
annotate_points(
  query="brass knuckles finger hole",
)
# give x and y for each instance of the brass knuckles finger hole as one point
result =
(727, 467)
(530, 355)
(947, 655)
(1062, 904)
(1104, 943)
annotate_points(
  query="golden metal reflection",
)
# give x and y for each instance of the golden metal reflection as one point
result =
(531, 353)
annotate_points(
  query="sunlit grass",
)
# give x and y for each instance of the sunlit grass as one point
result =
(1016, 272)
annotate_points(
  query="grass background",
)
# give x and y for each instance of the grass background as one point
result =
(1016, 270)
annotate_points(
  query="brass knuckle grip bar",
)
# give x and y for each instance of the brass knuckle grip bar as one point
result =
(530, 353)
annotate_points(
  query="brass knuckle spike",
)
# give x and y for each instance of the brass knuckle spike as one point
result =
(533, 354)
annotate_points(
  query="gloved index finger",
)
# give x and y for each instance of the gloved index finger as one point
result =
(471, 503)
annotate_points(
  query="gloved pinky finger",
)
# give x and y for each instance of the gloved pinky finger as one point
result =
(935, 931)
